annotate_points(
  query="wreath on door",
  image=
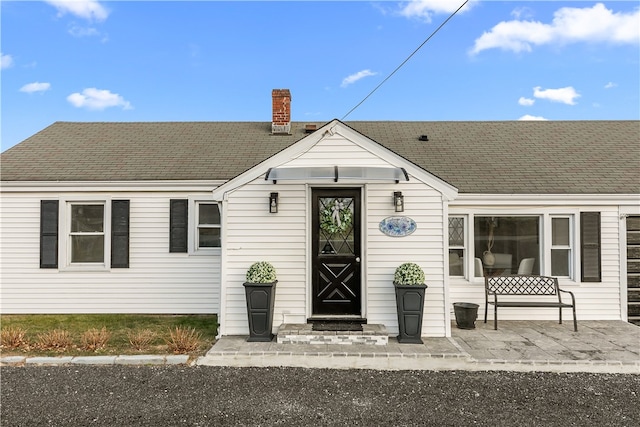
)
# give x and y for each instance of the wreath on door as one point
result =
(335, 217)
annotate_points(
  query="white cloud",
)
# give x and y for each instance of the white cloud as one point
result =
(531, 118)
(35, 87)
(357, 76)
(425, 9)
(6, 61)
(78, 31)
(526, 101)
(90, 10)
(97, 99)
(610, 85)
(566, 95)
(569, 25)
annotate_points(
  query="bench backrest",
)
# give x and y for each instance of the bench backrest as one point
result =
(521, 285)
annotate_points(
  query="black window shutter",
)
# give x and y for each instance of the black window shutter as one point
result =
(590, 246)
(178, 225)
(48, 234)
(120, 234)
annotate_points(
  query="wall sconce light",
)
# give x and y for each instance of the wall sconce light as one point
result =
(273, 203)
(398, 201)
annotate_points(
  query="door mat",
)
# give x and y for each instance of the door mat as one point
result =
(356, 327)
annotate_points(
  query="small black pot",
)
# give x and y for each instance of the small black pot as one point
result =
(410, 306)
(260, 301)
(466, 314)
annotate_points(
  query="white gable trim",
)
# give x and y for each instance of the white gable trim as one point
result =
(332, 128)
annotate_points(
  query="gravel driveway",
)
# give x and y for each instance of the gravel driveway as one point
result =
(207, 396)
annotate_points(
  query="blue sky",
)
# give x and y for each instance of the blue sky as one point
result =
(91, 60)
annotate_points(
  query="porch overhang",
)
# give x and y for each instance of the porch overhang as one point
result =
(337, 173)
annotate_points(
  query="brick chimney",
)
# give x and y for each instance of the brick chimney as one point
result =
(281, 102)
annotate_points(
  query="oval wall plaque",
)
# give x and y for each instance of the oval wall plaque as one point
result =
(398, 226)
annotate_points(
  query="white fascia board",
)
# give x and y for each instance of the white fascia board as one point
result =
(110, 186)
(469, 199)
(335, 127)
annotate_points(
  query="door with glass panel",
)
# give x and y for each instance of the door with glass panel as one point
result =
(335, 235)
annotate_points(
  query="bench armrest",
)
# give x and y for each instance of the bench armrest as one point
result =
(573, 298)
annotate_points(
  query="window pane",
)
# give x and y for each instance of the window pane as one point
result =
(456, 262)
(209, 238)
(87, 218)
(456, 231)
(503, 242)
(87, 248)
(208, 213)
(336, 233)
(560, 231)
(560, 262)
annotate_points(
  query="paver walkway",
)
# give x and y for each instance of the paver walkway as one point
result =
(598, 346)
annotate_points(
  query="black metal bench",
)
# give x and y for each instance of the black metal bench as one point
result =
(525, 286)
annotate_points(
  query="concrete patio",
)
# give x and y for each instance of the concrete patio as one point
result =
(598, 346)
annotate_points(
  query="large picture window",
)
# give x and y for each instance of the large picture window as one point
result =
(506, 244)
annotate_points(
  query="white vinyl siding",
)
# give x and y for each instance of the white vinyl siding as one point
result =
(253, 234)
(424, 247)
(155, 282)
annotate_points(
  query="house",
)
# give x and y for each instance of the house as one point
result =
(167, 217)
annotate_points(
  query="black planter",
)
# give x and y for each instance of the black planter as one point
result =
(410, 306)
(260, 301)
(466, 314)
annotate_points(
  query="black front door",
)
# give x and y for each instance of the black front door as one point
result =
(336, 252)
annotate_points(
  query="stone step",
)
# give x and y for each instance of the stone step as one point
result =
(303, 333)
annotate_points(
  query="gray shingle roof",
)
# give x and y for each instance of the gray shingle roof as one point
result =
(477, 157)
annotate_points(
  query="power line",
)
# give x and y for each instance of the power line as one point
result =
(406, 60)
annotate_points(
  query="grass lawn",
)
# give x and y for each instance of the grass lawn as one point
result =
(121, 329)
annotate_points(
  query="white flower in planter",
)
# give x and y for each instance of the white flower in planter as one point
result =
(261, 272)
(409, 273)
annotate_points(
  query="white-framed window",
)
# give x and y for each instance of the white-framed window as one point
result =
(561, 246)
(457, 237)
(507, 244)
(86, 233)
(90, 234)
(208, 225)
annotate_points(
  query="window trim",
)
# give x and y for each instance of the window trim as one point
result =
(464, 247)
(198, 226)
(571, 246)
(192, 233)
(64, 241)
